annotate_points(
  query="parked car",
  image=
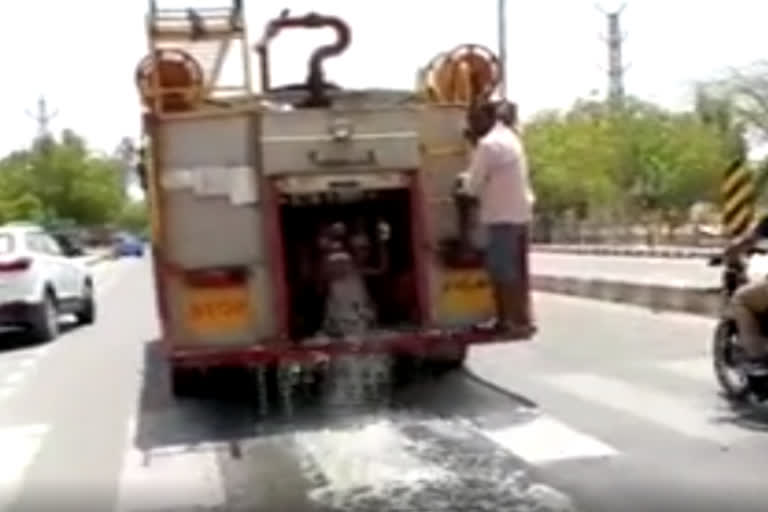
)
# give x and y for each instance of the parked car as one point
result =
(127, 245)
(71, 244)
(39, 282)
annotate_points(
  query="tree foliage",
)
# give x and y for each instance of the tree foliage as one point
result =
(597, 159)
(134, 217)
(744, 95)
(746, 92)
(61, 179)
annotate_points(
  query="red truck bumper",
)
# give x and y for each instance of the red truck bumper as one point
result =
(421, 343)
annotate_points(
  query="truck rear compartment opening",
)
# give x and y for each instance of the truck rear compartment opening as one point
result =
(368, 238)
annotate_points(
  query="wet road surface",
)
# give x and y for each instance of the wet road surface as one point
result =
(609, 407)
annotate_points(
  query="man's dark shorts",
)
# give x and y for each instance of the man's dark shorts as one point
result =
(505, 253)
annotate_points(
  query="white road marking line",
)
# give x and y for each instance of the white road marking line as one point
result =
(29, 362)
(26, 357)
(698, 369)
(9, 366)
(166, 481)
(18, 446)
(546, 440)
(656, 407)
(109, 278)
(14, 377)
(369, 458)
(19, 368)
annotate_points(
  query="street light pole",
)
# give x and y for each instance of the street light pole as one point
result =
(502, 32)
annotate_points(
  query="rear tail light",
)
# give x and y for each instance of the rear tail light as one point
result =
(216, 277)
(16, 265)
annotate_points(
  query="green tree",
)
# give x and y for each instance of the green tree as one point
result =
(571, 163)
(746, 91)
(743, 99)
(26, 207)
(134, 217)
(66, 179)
(634, 160)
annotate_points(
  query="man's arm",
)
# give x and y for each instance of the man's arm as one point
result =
(749, 239)
(478, 170)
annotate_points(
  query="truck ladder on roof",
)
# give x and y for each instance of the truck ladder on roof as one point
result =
(207, 34)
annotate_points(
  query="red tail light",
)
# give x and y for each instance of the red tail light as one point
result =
(16, 265)
(216, 277)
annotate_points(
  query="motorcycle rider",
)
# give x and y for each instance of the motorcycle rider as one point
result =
(750, 301)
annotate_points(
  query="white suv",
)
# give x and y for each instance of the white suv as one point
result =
(38, 282)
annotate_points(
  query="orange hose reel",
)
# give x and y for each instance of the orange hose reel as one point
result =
(179, 80)
(464, 75)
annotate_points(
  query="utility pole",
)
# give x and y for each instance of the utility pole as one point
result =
(616, 68)
(502, 32)
(43, 117)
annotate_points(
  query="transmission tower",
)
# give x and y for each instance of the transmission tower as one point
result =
(616, 68)
(43, 117)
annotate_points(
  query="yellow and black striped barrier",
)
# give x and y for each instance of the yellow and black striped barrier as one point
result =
(738, 196)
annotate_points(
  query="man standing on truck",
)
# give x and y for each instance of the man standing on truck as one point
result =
(498, 177)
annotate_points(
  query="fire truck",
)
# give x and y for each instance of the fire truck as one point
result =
(300, 222)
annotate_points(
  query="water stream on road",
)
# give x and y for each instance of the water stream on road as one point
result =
(393, 459)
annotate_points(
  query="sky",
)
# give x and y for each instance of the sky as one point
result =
(81, 54)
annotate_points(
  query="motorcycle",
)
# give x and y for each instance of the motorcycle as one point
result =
(728, 356)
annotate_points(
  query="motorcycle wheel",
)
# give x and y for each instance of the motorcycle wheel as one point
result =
(733, 381)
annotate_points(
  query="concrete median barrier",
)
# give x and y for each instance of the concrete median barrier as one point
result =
(637, 251)
(658, 297)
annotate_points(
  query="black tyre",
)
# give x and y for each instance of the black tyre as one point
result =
(45, 321)
(451, 360)
(185, 382)
(87, 313)
(725, 355)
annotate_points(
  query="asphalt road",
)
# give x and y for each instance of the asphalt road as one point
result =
(681, 272)
(611, 408)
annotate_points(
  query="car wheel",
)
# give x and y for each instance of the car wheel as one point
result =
(87, 313)
(45, 322)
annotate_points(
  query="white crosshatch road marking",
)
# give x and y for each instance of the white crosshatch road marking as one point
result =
(679, 414)
(698, 368)
(546, 440)
(15, 367)
(18, 448)
(171, 479)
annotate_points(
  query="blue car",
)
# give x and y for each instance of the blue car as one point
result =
(128, 245)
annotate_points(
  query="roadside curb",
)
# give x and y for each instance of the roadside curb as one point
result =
(645, 252)
(658, 297)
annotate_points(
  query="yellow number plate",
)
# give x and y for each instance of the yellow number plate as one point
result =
(465, 292)
(218, 309)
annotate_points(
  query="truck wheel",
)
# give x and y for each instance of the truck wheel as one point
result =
(45, 319)
(87, 313)
(184, 382)
(449, 361)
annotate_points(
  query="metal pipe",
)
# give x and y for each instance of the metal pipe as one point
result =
(502, 22)
(315, 78)
(263, 52)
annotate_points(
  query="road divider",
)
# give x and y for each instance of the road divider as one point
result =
(658, 297)
(636, 251)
